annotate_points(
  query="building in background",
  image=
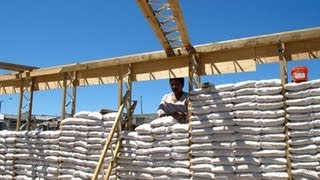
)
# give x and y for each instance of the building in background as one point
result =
(41, 122)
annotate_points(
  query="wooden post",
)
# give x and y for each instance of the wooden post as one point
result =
(64, 96)
(191, 75)
(74, 92)
(128, 99)
(20, 106)
(194, 72)
(284, 80)
(29, 118)
(197, 70)
(120, 87)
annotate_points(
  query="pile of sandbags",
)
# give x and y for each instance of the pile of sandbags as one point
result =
(212, 132)
(303, 108)
(159, 150)
(36, 154)
(70, 153)
(237, 131)
(7, 149)
(81, 142)
(259, 148)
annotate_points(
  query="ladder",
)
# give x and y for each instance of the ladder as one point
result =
(116, 127)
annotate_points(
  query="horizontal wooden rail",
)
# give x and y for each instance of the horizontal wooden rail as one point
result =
(240, 55)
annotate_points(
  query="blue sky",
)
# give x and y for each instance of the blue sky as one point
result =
(47, 33)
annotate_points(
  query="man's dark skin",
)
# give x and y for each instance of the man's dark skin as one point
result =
(176, 88)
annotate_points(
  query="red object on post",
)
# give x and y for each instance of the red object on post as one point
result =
(299, 73)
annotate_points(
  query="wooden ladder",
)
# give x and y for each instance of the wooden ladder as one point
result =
(116, 127)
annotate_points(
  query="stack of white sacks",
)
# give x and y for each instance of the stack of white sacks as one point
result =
(36, 154)
(237, 131)
(212, 132)
(7, 143)
(24, 154)
(303, 108)
(260, 143)
(157, 150)
(70, 153)
(81, 142)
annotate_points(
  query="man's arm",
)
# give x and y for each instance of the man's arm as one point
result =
(181, 117)
(161, 109)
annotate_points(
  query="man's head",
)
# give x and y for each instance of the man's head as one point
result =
(176, 84)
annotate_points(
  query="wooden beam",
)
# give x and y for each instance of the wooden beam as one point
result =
(178, 17)
(15, 67)
(264, 40)
(240, 55)
(155, 25)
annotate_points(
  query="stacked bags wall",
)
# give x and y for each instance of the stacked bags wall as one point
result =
(7, 149)
(212, 132)
(70, 153)
(157, 150)
(28, 155)
(81, 142)
(237, 131)
(303, 108)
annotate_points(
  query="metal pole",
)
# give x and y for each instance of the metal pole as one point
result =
(141, 105)
(1, 104)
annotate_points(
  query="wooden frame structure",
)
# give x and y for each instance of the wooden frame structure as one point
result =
(240, 55)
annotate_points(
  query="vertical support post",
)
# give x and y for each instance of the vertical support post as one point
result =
(194, 75)
(20, 106)
(29, 118)
(120, 93)
(64, 96)
(194, 72)
(120, 87)
(74, 92)
(283, 63)
(191, 75)
(129, 97)
(284, 80)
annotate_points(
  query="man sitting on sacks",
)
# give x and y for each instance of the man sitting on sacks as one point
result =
(175, 104)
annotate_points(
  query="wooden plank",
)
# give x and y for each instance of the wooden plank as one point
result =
(259, 41)
(155, 25)
(178, 17)
(15, 67)
(229, 67)
(160, 69)
(155, 65)
(264, 40)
